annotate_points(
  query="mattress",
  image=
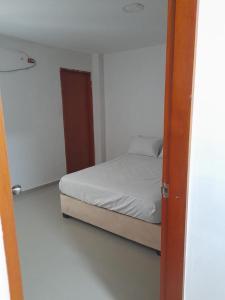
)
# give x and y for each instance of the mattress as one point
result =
(129, 184)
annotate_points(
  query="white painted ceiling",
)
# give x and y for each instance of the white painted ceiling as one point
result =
(87, 25)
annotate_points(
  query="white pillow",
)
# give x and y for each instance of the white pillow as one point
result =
(161, 154)
(149, 146)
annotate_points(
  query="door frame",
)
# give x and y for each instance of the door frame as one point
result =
(180, 63)
(91, 149)
(7, 219)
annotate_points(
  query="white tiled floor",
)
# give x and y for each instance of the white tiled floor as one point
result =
(64, 259)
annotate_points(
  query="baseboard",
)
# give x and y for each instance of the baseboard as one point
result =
(41, 186)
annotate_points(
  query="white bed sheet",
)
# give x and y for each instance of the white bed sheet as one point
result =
(129, 184)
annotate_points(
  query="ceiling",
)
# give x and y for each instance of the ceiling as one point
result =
(87, 25)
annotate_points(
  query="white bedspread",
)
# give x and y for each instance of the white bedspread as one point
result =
(129, 184)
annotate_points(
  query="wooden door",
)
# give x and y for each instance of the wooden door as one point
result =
(7, 220)
(78, 119)
(178, 102)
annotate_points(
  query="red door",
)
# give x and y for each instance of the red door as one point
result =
(78, 119)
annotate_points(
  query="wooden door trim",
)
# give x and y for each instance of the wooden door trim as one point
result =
(166, 138)
(181, 36)
(7, 217)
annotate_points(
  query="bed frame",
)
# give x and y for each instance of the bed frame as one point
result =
(128, 227)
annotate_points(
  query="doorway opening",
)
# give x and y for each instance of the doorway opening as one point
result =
(78, 129)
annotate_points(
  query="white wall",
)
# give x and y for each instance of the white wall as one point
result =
(98, 106)
(33, 113)
(128, 91)
(134, 96)
(205, 248)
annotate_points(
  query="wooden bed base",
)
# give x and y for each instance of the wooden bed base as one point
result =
(125, 226)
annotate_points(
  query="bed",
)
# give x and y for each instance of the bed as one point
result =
(121, 196)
